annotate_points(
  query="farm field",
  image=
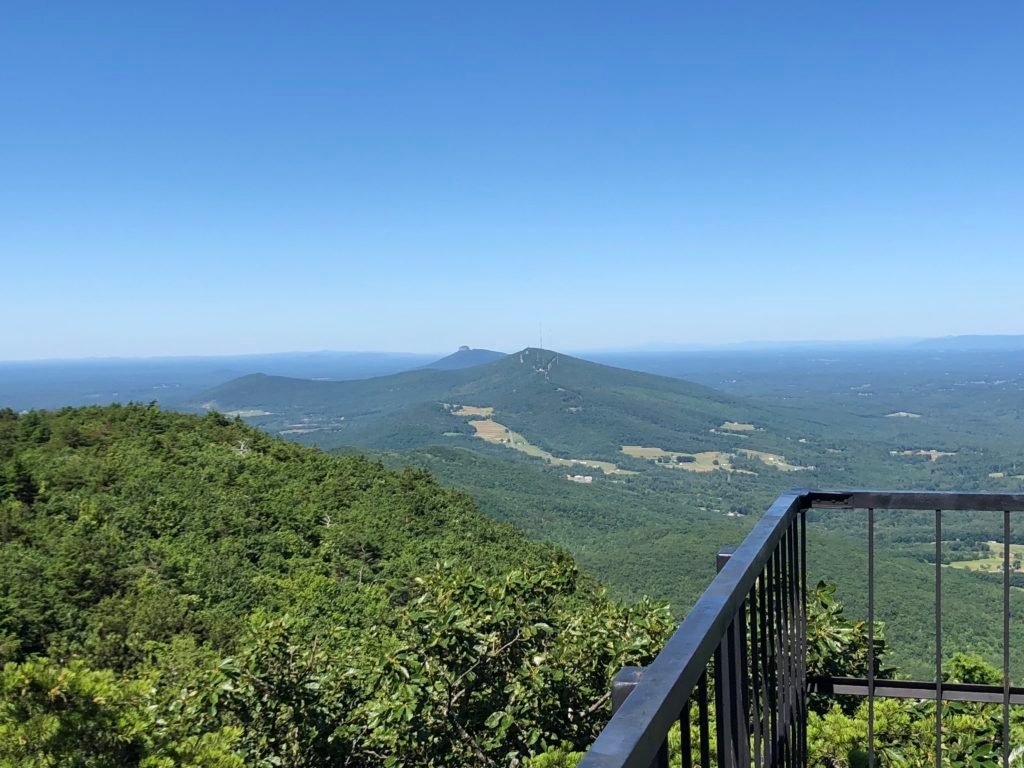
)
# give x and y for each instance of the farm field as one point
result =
(709, 461)
(931, 453)
(470, 410)
(493, 432)
(994, 564)
(774, 460)
(704, 461)
(736, 426)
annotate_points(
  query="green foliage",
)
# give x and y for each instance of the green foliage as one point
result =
(839, 647)
(491, 672)
(905, 734)
(54, 715)
(557, 758)
(837, 729)
(188, 591)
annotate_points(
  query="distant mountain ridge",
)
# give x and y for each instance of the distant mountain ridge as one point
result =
(466, 357)
(561, 404)
(994, 343)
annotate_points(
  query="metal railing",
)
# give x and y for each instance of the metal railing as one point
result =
(733, 676)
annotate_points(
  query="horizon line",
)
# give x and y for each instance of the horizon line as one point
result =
(648, 348)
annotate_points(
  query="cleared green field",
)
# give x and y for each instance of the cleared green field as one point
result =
(705, 461)
(493, 432)
(774, 460)
(931, 453)
(472, 410)
(737, 426)
(709, 461)
(994, 564)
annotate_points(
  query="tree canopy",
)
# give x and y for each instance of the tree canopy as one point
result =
(179, 590)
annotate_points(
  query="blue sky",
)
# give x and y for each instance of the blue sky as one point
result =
(195, 178)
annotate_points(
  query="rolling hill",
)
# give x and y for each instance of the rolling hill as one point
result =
(562, 405)
(465, 357)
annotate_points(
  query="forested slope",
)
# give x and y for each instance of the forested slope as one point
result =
(564, 404)
(658, 536)
(177, 590)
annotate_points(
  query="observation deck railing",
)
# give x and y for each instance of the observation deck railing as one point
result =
(737, 665)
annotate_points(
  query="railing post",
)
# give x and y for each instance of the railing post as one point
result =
(623, 683)
(727, 712)
(724, 554)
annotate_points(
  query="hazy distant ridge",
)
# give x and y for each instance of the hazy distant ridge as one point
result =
(993, 343)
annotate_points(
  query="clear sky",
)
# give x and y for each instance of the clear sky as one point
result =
(197, 177)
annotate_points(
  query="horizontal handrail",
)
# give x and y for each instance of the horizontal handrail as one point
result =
(921, 690)
(916, 500)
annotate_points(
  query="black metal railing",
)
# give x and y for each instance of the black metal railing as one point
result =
(730, 687)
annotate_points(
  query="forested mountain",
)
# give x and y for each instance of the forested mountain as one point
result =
(563, 404)
(465, 357)
(186, 591)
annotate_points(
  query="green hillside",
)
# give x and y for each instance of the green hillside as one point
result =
(186, 591)
(563, 404)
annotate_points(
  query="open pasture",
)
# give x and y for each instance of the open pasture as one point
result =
(493, 432)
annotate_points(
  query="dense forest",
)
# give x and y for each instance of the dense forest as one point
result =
(177, 590)
(188, 591)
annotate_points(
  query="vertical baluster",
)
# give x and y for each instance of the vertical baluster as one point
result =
(723, 704)
(773, 656)
(723, 683)
(703, 718)
(777, 709)
(871, 638)
(755, 673)
(685, 740)
(1006, 639)
(938, 637)
(661, 761)
(784, 669)
(802, 641)
(794, 663)
(784, 743)
(742, 682)
(767, 680)
(791, 590)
